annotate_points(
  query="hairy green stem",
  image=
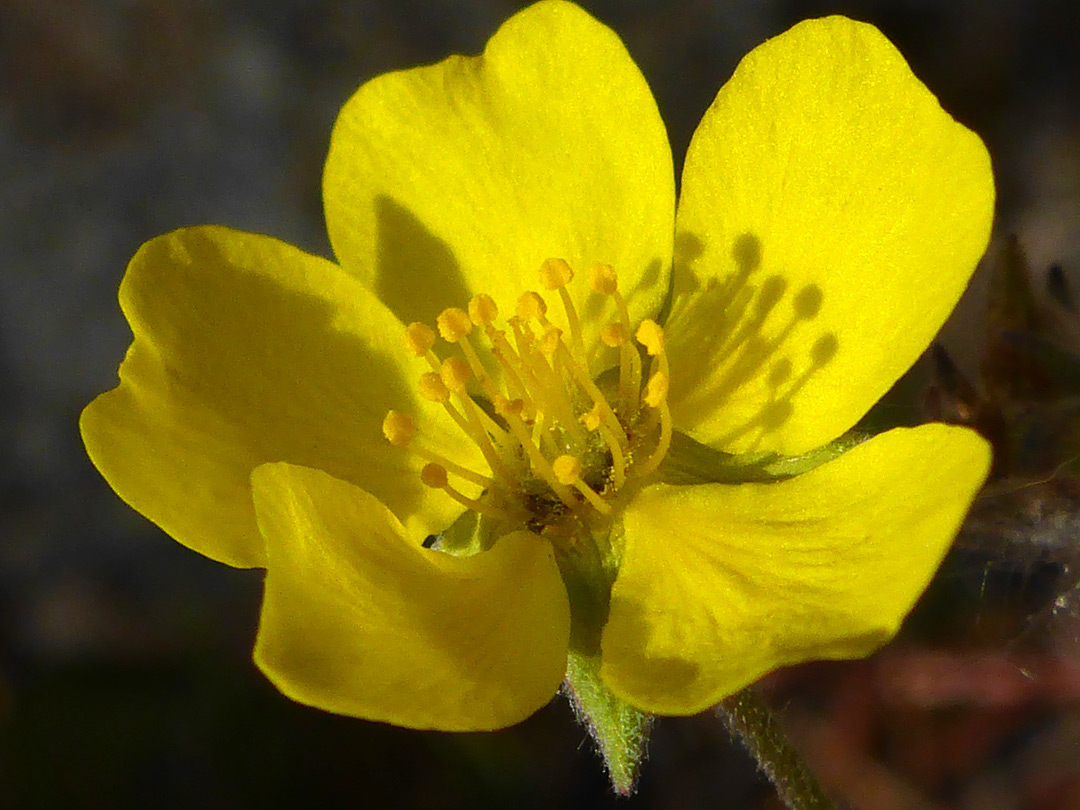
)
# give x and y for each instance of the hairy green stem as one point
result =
(748, 718)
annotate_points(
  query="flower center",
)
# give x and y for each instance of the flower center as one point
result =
(561, 442)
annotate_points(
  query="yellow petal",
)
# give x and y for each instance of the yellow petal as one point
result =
(358, 620)
(720, 584)
(248, 350)
(831, 215)
(463, 177)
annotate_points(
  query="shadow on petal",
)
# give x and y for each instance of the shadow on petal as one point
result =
(743, 346)
(417, 274)
(246, 351)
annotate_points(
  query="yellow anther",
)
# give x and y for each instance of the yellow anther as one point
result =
(614, 335)
(591, 418)
(656, 390)
(530, 305)
(483, 310)
(604, 280)
(455, 374)
(567, 470)
(432, 388)
(454, 324)
(508, 407)
(549, 343)
(434, 476)
(419, 338)
(651, 336)
(555, 273)
(398, 428)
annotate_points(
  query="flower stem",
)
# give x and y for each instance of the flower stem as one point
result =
(748, 718)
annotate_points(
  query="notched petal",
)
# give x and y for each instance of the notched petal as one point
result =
(248, 350)
(831, 216)
(465, 176)
(720, 584)
(358, 619)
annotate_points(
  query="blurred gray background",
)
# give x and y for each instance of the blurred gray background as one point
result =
(125, 678)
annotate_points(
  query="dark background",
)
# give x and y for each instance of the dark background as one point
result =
(125, 678)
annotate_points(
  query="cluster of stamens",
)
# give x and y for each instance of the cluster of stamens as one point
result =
(553, 441)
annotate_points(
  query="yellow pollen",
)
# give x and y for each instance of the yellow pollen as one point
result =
(614, 335)
(508, 407)
(530, 305)
(567, 470)
(432, 388)
(483, 310)
(591, 418)
(419, 338)
(434, 476)
(549, 343)
(455, 373)
(555, 273)
(651, 336)
(604, 280)
(656, 390)
(454, 324)
(398, 428)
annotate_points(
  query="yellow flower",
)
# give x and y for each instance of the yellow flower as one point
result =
(522, 327)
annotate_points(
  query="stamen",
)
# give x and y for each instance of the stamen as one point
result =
(419, 338)
(551, 340)
(615, 335)
(477, 367)
(434, 476)
(432, 388)
(540, 386)
(656, 390)
(555, 274)
(604, 279)
(567, 470)
(454, 324)
(531, 306)
(599, 400)
(483, 310)
(455, 374)
(511, 365)
(593, 420)
(656, 397)
(399, 429)
(544, 379)
(510, 410)
(650, 335)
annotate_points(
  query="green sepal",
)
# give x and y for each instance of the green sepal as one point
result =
(463, 538)
(619, 731)
(690, 462)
